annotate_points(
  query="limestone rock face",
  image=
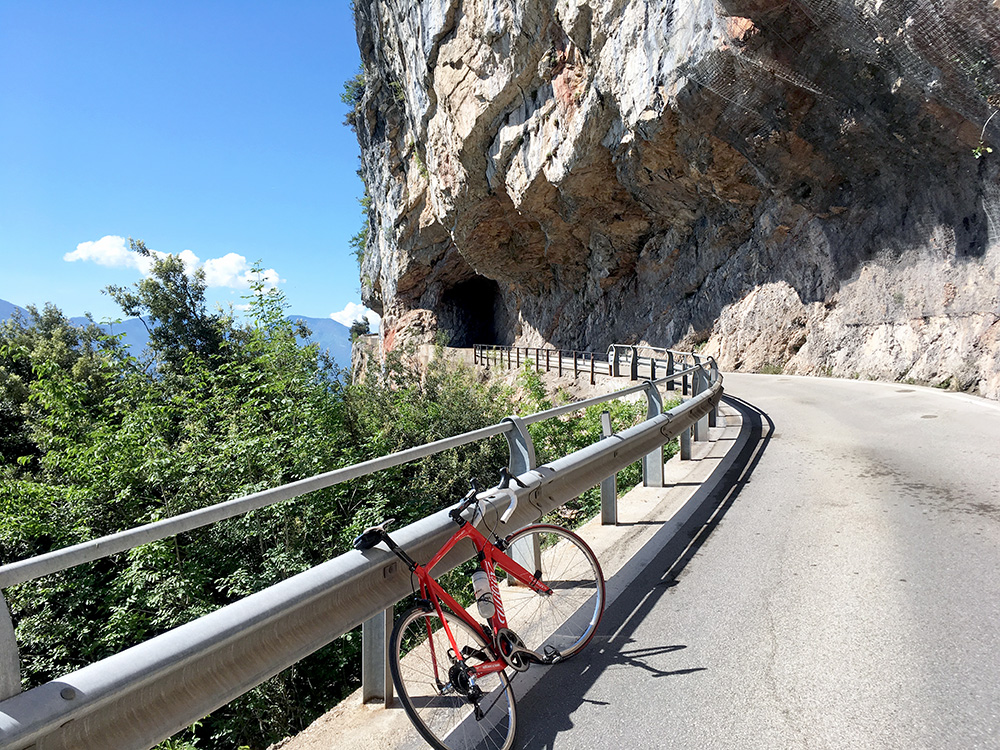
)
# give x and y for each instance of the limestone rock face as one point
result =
(803, 185)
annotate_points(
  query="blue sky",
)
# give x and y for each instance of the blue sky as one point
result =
(213, 129)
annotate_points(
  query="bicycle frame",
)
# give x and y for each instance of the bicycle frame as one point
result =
(489, 556)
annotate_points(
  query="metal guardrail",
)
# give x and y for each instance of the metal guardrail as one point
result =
(512, 357)
(638, 357)
(656, 361)
(150, 691)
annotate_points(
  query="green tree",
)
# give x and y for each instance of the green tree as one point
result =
(353, 93)
(360, 328)
(114, 444)
(171, 304)
(43, 342)
(359, 242)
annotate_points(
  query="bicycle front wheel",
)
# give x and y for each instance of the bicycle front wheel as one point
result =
(560, 623)
(432, 683)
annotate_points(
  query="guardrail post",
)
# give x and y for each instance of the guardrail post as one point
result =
(670, 369)
(633, 370)
(10, 660)
(609, 488)
(576, 370)
(652, 368)
(616, 369)
(527, 552)
(560, 362)
(652, 463)
(713, 415)
(685, 438)
(547, 359)
(376, 682)
(699, 384)
(522, 449)
(592, 381)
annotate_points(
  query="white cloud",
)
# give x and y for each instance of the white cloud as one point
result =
(108, 251)
(231, 270)
(269, 276)
(190, 259)
(353, 311)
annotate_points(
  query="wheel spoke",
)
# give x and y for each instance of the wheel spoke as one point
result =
(564, 619)
(449, 718)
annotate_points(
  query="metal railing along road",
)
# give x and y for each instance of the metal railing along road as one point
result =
(512, 357)
(650, 360)
(146, 693)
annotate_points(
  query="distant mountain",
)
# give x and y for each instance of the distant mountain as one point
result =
(136, 336)
(7, 309)
(332, 337)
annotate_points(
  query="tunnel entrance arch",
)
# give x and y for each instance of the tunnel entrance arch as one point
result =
(472, 312)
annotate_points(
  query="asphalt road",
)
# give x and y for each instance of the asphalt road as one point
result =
(846, 594)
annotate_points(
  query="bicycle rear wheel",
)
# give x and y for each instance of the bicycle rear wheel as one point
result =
(564, 621)
(430, 681)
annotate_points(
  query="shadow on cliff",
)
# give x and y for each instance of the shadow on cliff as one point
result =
(853, 168)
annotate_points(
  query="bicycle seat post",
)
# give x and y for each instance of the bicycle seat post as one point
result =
(399, 551)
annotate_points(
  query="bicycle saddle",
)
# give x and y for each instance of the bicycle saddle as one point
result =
(372, 535)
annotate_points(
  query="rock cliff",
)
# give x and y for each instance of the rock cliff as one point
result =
(797, 184)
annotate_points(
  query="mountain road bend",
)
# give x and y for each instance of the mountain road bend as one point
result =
(848, 595)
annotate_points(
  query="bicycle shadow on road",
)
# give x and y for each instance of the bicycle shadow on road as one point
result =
(545, 709)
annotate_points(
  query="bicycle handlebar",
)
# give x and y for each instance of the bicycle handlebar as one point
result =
(375, 534)
(494, 493)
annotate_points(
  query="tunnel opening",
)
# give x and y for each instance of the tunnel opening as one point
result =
(472, 312)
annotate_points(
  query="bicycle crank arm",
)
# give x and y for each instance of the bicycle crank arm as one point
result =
(520, 658)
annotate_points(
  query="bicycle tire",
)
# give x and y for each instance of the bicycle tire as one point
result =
(446, 718)
(566, 619)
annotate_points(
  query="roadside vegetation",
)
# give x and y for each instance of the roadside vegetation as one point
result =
(94, 441)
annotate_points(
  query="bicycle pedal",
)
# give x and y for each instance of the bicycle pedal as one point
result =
(552, 655)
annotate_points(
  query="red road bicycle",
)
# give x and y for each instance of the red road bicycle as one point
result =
(541, 592)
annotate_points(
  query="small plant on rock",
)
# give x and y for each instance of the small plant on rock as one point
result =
(982, 149)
